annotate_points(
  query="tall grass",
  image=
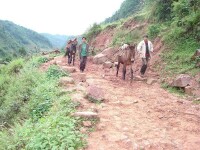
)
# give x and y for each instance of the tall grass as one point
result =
(34, 113)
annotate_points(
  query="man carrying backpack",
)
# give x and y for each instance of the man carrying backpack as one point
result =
(145, 47)
(83, 54)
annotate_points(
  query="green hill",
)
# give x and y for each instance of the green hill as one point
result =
(127, 8)
(16, 40)
(175, 23)
(59, 41)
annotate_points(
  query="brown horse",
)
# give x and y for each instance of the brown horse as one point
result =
(127, 59)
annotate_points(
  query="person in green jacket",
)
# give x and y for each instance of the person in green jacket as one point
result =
(83, 53)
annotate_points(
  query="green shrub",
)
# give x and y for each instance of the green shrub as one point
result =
(42, 60)
(54, 72)
(93, 31)
(125, 36)
(15, 66)
(154, 30)
(33, 112)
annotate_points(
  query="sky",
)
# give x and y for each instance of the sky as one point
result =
(65, 17)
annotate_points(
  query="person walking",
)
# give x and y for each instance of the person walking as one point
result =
(83, 54)
(68, 51)
(145, 48)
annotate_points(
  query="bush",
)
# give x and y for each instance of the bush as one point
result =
(42, 60)
(125, 36)
(93, 31)
(153, 30)
(54, 72)
(33, 112)
(15, 66)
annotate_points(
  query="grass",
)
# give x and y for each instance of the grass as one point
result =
(174, 90)
(125, 36)
(197, 102)
(34, 113)
(178, 58)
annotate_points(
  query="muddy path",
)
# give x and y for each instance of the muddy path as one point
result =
(139, 116)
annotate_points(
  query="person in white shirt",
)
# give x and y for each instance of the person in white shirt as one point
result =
(145, 48)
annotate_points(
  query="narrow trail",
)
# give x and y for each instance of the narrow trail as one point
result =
(138, 116)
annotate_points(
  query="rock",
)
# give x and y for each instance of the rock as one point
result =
(182, 80)
(138, 78)
(196, 92)
(95, 94)
(189, 90)
(99, 59)
(79, 77)
(128, 103)
(151, 81)
(81, 88)
(107, 64)
(109, 52)
(65, 81)
(86, 114)
(68, 69)
(87, 123)
(59, 62)
(101, 126)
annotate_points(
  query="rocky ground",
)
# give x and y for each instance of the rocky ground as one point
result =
(131, 116)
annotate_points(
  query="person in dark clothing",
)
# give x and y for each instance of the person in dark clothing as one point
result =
(68, 51)
(145, 47)
(83, 54)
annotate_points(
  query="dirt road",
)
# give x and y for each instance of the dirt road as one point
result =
(139, 116)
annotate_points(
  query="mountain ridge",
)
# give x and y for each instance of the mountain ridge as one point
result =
(14, 37)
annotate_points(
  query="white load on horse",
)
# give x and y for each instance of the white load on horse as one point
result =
(122, 49)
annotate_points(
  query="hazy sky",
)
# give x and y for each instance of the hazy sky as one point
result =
(70, 17)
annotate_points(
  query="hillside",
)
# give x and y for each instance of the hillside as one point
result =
(15, 39)
(175, 24)
(58, 41)
(128, 7)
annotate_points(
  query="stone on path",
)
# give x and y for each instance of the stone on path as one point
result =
(87, 123)
(189, 90)
(64, 81)
(109, 52)
(79, 77)
(182, 80)
(100, 59)
(95, 94)
(107, 64)
(86, 114)
(138, 78)
(68, 69)
(151, 81)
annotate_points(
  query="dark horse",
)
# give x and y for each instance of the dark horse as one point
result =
(127, 59)
(72, 52)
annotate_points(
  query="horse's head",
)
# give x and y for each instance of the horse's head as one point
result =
(132, 51)
(132, 47)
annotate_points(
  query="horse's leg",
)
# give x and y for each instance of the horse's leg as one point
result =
(124, 72)
(73, 59)
(118, 66)
(131, 72)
